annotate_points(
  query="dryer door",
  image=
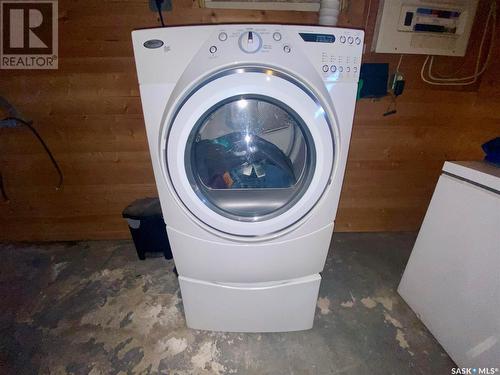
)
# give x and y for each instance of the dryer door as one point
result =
(250, 153)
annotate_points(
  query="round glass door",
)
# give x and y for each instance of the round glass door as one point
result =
(250, 157)
(249, 153)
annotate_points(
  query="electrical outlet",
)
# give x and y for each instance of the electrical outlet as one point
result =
(165, 6)
(395, 78)
(398, 83)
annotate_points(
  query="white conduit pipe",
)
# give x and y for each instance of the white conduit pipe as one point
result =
(329, 12)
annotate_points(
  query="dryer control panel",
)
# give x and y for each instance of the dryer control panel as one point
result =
(343, 61)
(334, 52)
(250, 41)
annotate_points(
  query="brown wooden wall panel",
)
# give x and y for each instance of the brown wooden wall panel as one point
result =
(89, 113)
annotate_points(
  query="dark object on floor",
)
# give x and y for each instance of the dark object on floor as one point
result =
(375, 78)
(492, 151)
(147, 227)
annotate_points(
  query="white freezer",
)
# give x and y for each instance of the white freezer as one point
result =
(452, 280)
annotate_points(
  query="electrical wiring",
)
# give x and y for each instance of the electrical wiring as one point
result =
(461, 81)
(3, 193)
(158, 6)
(44, 145)
(391, 108)
(478, 70)
(480, 53)
(444, 83)
(399, 63)
(368, 13)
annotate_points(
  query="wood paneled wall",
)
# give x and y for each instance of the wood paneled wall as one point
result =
(89, 113)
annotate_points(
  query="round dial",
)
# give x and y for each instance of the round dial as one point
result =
(250, 42)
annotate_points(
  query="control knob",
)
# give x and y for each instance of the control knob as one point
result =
(250, 42)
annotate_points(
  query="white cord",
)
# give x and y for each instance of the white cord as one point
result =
(480, 53)
(399, 63)
(469, 80)
(422, 75)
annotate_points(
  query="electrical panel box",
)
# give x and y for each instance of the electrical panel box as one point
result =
(439, 27)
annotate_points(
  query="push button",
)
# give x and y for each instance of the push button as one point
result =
(350, 40)
(325, 68)
(333, 68)
(213, 49)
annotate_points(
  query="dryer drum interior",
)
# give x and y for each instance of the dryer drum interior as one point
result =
(250, 157)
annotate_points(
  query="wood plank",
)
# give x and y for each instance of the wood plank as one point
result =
(89, 112)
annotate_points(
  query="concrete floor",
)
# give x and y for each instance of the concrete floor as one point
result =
(93, 308)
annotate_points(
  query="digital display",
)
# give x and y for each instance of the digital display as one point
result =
(317, 38)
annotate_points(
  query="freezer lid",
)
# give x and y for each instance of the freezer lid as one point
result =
(477, 172)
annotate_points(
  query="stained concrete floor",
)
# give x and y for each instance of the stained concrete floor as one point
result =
(93, 308)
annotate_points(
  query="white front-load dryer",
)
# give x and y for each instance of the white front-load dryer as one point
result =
(249, 128)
